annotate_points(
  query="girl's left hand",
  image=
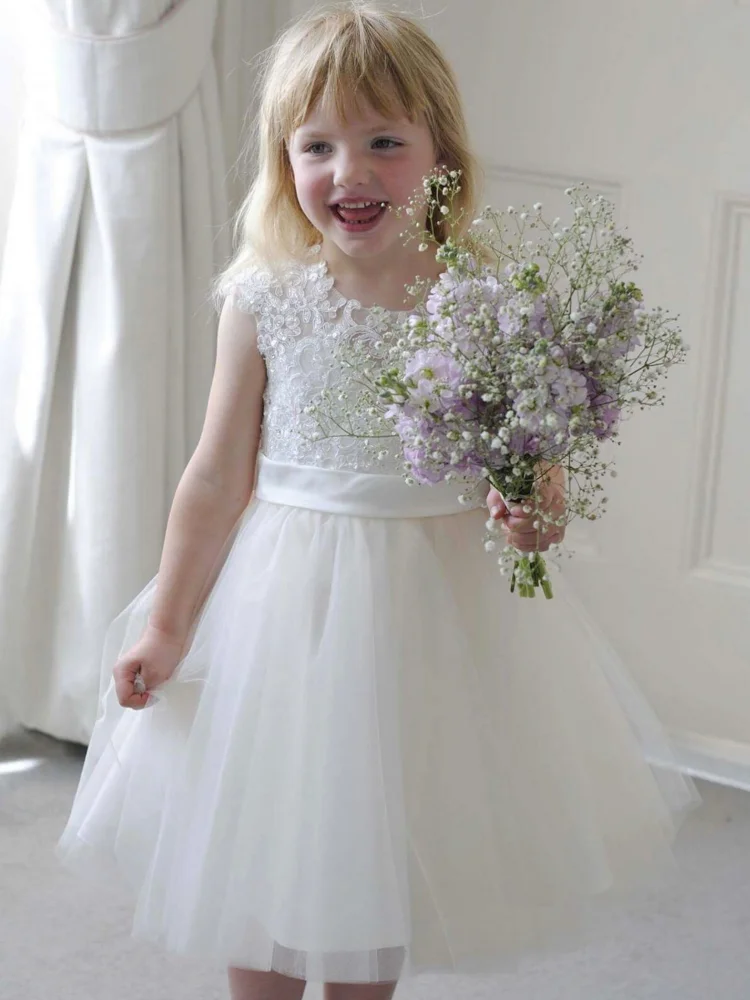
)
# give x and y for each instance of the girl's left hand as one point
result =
(519, 527)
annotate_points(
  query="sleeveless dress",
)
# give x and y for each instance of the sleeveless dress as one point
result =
(373, 761)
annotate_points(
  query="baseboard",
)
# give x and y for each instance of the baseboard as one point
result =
(721, 761)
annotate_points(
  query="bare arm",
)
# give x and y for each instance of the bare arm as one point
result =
(217, 483)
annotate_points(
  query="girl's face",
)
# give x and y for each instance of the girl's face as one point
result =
(345, 171)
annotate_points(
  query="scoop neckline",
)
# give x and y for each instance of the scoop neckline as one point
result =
(344, 300)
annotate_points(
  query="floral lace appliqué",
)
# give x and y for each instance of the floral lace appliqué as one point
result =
(301, 318)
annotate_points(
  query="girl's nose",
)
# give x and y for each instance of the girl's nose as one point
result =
(350, 170)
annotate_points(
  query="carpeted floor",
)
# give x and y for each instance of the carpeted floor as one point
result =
(63, 940)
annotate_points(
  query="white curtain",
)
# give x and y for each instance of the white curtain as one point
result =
(107, 335)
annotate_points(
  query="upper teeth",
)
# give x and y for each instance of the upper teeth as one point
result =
(360, 204)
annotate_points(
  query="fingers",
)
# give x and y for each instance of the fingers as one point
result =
(542, 545)
(532, 543)
(130, 699)
(552, 504)
(135, 701)
(522, 534)
(129, 685)
(522, 517)
(496, 504)
(526, 530)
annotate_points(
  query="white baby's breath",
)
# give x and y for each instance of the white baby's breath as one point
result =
(546, 346)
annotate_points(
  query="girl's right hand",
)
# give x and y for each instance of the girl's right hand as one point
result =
(153, 660)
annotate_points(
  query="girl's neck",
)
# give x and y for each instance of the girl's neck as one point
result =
(379, 282)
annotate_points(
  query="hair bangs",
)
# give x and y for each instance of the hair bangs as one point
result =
(349, 73)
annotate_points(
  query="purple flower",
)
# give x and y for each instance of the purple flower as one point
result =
(454, 301)
(607, 415)
(539, 318)
(432, 366)
(521, 442)
(568, 388)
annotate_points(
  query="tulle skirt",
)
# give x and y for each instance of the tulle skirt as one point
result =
(373, 760)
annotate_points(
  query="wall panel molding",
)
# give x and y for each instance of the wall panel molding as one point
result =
(727, 262)
(551, 180)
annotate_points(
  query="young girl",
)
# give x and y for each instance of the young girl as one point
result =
(362, 758)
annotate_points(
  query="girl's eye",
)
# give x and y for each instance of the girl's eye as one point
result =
(318, 148)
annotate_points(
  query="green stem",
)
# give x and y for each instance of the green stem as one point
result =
(533, 566)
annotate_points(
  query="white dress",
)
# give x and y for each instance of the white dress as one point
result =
(373, 760)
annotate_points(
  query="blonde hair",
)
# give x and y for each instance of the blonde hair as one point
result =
(382, 58)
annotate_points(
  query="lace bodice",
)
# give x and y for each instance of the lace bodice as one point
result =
(301, 319)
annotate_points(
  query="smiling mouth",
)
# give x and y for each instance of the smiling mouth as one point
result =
(363, 215)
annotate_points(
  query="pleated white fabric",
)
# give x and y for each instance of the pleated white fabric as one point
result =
(374, 760)
(107, 335)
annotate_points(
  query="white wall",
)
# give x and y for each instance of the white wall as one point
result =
(649, 103)
(11, 102)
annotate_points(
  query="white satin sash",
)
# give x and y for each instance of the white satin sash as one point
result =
(360, 494)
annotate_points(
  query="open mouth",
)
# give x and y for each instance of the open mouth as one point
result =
(359, 213)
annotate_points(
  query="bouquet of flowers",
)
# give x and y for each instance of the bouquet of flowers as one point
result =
(524, 355)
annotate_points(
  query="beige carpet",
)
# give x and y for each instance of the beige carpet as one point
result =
(62, 940)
